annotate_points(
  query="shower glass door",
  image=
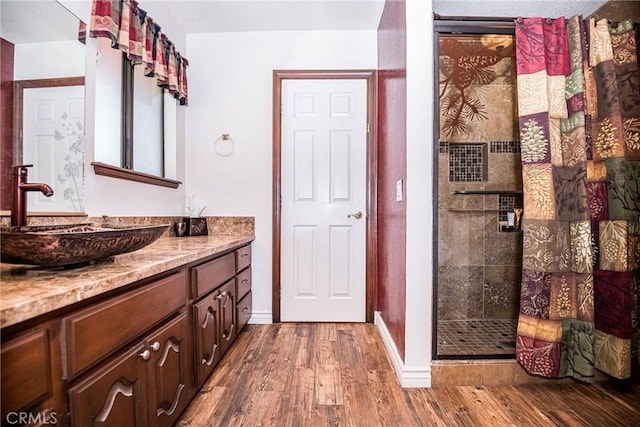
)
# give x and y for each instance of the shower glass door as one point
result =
(479, 187)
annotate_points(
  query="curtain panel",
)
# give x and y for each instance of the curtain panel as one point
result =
(136, 34)
(579, 116)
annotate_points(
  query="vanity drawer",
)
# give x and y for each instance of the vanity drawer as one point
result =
(243, 257)
(211, 274)
(96, 331)
(243, 310)
(243, 283)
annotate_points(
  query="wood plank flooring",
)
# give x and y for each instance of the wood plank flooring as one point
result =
(329, 374)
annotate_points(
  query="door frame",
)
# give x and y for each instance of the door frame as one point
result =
(371, 227)
(18, 102)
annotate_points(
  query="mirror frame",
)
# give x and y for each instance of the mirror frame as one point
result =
(18, 103)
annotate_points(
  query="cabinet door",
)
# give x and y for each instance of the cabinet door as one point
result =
(114, 395)
(26, 377)
(227, 314)
(170, 383)
(206, 315)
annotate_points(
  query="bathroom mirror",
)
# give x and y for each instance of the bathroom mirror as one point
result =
(44, 55)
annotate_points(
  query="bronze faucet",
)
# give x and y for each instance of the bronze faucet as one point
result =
(19, 200)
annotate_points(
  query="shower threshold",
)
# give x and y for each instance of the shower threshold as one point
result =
(485, 338)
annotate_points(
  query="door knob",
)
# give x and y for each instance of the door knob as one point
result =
(356, 215)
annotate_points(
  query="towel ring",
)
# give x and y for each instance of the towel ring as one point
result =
(225, 145)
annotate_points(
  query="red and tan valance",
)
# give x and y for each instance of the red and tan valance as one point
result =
(135, 33)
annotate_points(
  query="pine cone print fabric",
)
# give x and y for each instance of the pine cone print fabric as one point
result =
(581, 171)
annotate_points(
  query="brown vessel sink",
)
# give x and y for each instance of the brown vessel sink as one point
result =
(61, 245)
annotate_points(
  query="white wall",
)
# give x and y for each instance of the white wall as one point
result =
(419, 291)
(230, 87)
(48, 60)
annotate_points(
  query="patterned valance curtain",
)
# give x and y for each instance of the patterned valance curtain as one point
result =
(579, 114)
(135, 33)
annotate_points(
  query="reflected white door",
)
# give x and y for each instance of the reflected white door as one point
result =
(323, 179)
(53, 141)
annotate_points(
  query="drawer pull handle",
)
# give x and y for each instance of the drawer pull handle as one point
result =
(209, 360)
(247, 309)
(244, 255)
(155, 346)
(245, 281)
(228, 336)
(145, 355)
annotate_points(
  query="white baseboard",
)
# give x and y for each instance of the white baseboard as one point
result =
(409, 376)
(261, 318)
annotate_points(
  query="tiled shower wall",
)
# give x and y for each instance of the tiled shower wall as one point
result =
(479, 267)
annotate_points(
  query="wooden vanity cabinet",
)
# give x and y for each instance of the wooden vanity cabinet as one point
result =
(207, 349)
(169, 372)
(113, 394)
(30, 376)
(244, 301)
(148, 384)
(227, 315)
(132, 358)
(214, 324)
(215, 288)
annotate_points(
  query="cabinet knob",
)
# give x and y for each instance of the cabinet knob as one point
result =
(145, 355)
(155, 346)
(245, 281)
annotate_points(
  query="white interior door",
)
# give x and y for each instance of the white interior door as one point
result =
(323, 179)
(53, 141)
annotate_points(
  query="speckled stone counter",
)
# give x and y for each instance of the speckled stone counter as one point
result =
(30, 291)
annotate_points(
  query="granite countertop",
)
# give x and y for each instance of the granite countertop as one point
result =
(30, 291)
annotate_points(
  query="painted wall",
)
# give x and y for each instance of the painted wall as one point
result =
(230, 86)
(49, 60)
(419, 195)
(6, 121)
(392, 158)
(405, 227)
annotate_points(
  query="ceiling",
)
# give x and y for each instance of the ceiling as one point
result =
(24, 21)
(211, 16)
(515, 8)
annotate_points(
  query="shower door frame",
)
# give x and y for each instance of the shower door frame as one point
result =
(458, 26)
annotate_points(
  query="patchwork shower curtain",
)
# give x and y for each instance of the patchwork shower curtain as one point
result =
(579, 115)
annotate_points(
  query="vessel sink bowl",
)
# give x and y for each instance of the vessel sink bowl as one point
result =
(63, 245)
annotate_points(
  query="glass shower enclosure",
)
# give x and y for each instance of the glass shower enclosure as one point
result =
(479, 188)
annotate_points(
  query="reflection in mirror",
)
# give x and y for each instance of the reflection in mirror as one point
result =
(143, 101)
(43, 67)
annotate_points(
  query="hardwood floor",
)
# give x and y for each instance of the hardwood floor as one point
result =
(329, 374)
